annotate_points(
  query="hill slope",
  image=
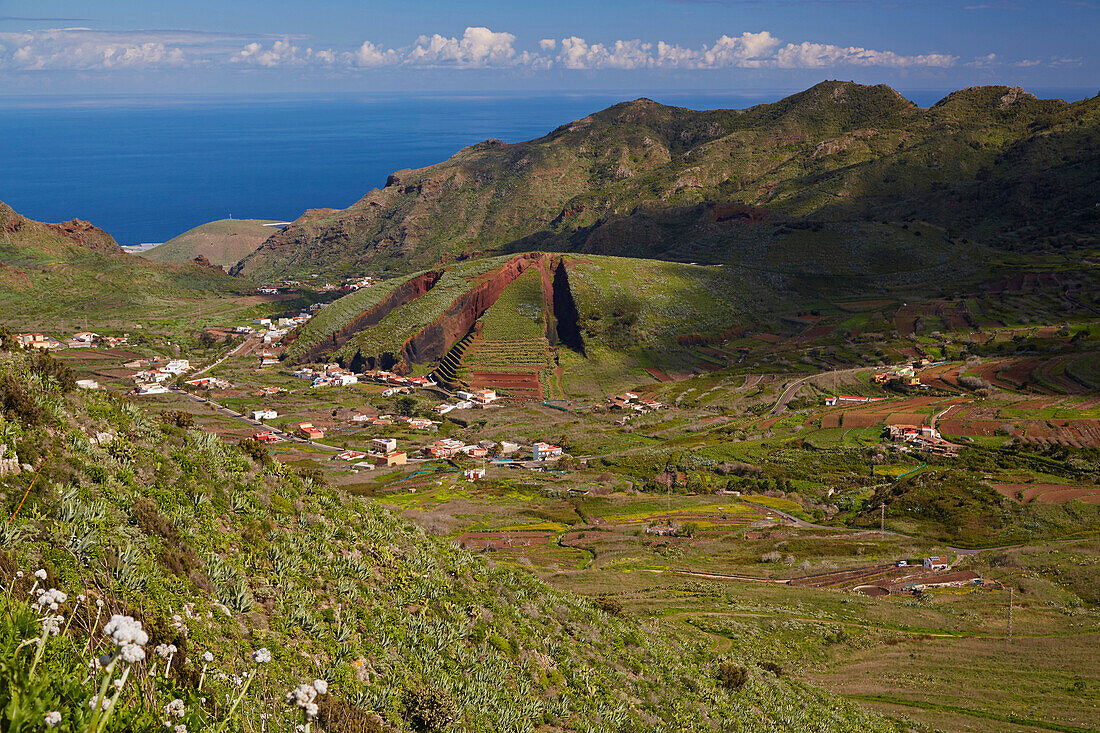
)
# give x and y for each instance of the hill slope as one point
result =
(215, 548)
(223, 243)
(76, 270)
(981, 162)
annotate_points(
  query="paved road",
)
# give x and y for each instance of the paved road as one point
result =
(233, 414)
(249, 341)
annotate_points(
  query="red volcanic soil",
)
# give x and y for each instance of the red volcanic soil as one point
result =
(831, 420)
(944, 377)
(816, 332)
(1050, 493)
(519, 385)
(657, 374)
(768, 338)
(860, 420)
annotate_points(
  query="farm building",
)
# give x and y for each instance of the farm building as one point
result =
(308, 431)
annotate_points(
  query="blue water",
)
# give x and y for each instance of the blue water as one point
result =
(148, 169)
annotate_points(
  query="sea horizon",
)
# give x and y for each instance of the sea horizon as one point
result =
(146, 168)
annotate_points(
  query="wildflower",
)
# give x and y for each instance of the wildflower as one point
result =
(126, 630)
(310, 709)
(19, 575)
(51, 599)
(181, 728)
(101, 702)
(132, 653)
(80, 598)
(52, 624)
(165, 650)
(174, 708)
(52, 720)
(99, 603)
(207, 657)
(301, 695)
(40, 574)
(321, 686)
(261, 656)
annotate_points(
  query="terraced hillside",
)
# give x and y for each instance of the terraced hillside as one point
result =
(514, 317)
(991, 164)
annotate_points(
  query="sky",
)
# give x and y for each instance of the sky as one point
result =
(90, 47)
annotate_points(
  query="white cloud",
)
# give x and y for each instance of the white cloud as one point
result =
(576, 53)
(82, 49)
(370, 54)
(478, 47)
(284, 53)
(807, 55)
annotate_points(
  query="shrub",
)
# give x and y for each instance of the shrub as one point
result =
(609, 605)
(428, 708)
(732, 676)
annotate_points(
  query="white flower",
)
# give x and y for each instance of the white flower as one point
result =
(321, 686)
(117, 684)
(99, 603)
(132, 653)
(165, 650)
(261, 656)
(207, 657)
(80, 598)
(52, 599)
(19, 575)
(181, 728)
(52, 624)
(301, 695)
(126, 630)
(40, 574)
(103, 703)
(52, 720)
(311, 709)
(174, 708)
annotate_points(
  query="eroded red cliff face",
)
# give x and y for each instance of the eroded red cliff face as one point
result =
(433, 341)
(406, 292)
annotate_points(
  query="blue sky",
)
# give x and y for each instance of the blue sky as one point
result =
(234, 46)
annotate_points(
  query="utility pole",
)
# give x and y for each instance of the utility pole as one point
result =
(882, 519)
(1011, 594)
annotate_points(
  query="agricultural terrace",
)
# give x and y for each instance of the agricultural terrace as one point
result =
(628, 303)
(391, 333)
(331, 319)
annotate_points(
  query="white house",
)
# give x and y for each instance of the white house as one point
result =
(153, 388)
(544, 451)
(936, 563)
(464, 395)
(177, 366)
(87, 384)
(383, 445)
(265, 414)
(474, 473)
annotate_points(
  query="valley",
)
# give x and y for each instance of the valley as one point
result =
(669, 420)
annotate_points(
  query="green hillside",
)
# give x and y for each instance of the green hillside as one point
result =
(223, 243)
(218, 549)
(640, 179)
(75, 271)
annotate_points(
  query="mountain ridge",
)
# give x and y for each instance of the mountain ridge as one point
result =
(838, 150)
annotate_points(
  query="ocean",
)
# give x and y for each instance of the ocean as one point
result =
(146, 169)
